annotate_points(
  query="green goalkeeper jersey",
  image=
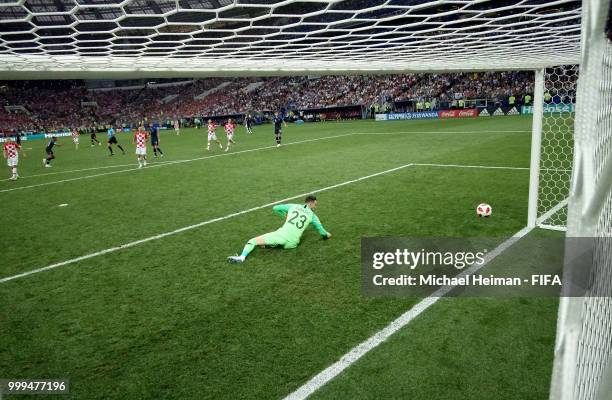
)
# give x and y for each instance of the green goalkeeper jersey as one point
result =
(299, 216)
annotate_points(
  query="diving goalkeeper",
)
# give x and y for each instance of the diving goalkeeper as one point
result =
(298, 217)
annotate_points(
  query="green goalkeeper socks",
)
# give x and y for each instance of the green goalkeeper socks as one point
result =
(247, 249)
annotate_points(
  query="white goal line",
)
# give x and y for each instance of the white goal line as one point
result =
(540, 221)
(329, 373)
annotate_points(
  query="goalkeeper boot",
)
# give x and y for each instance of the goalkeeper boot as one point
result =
(235, 259)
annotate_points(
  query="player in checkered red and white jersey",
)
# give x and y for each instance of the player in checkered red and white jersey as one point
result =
(229, 132)
(11, 153)
(177, 127)
(75, 138)
(212, 135)
(140, 138)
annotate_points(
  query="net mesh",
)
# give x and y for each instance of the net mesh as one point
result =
(594, 357)
(557, 147)
(583, 354)
(222, 36)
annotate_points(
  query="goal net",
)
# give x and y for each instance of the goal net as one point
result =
(571, 159)
(557, 145)
(170, 38)
(583, 351)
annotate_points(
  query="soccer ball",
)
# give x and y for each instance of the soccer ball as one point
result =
(484, 210)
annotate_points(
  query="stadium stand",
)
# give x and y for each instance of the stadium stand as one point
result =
(51, 105)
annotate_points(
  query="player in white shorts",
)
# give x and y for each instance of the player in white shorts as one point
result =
(140, 138)
(212, 135)
(11, 153)
(177, 127)
(75, 138)
(229, 132)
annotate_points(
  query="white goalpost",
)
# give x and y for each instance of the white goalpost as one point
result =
(583, 349)
(570, 187)
(552, 146)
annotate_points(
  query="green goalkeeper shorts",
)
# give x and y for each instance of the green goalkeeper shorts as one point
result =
(276, 239)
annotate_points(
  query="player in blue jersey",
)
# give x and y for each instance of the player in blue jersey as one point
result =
(248, 123)
(112, 139)
(155, 140)
(278, 127)
(94, 137)
(49, 150)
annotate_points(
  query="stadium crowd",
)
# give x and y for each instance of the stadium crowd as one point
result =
(49, 105)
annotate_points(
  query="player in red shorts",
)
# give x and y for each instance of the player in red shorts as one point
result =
(11, 153)
(140, 138)
(229, 131)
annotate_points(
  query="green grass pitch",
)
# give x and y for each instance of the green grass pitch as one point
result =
(170, 319)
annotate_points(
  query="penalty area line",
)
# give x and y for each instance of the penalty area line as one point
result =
(165, 163)
(155, 163)
(322, 378)
(469, 166)
(489, 167)
(194, 226)
(84, 170)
